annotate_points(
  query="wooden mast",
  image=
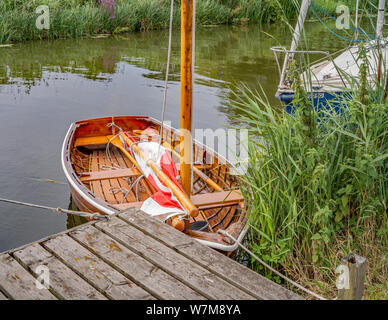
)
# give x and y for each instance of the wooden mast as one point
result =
(186, 93)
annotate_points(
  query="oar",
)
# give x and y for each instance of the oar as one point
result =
(117, 143)
(198, 172)
(178, 193)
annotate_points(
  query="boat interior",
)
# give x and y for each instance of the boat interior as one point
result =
(100, 164)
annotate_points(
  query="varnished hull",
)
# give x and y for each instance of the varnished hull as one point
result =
(94, 175)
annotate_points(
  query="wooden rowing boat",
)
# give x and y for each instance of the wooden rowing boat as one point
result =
(106, 167)
(100, 174)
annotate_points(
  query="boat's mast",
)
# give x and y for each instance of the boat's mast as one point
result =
(380, 20)
(186, 92)
(296, 37)
(356, 19)
(299, 26)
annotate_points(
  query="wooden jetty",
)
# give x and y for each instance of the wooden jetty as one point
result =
(131, 256)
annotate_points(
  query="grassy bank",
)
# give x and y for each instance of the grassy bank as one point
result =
(79, 18)
(317, 192)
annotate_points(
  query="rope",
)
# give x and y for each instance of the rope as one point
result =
(107, 150)
(223, 232)
(76, 213)
(136, 182)
(332, 31)
(335, 19)
(167, 73)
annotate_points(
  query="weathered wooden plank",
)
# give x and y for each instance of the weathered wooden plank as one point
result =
(63, 281)
(94, 270)
(183, 269)
(18, 283)
(134, 267)
(229, 270)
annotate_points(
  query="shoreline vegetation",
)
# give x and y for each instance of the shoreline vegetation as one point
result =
(85, 18)
(317, 191)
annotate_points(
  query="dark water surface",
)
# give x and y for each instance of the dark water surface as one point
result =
(45, 86)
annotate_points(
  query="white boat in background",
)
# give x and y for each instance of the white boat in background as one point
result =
(326, 80)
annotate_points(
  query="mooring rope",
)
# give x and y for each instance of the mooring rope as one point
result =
(223, 232)
(167, 73)
(94, 215)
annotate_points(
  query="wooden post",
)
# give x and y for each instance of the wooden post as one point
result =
(186, 93)
(355, 269)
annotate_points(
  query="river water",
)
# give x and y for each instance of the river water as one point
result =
(47, 85)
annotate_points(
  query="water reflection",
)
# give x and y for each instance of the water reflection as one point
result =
(73, 220)
(223, 55)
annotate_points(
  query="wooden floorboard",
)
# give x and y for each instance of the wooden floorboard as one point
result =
(106, 185)
(18, 283)
(115, 154)
(96, 185)
(142, 272)
(131, 256)
(185, 270)
(230, 270)
(63, 281)
(94, 270)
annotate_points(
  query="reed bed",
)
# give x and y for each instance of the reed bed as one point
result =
(318, 190)
(79, 18)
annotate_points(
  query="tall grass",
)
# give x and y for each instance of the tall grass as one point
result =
(78, 18)
(81, 20)
(319, 190)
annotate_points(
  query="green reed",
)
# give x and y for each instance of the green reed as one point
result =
(318, 190)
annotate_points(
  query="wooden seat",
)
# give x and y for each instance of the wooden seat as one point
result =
(201, 201)
(91, 141)
(217, 199)
(109, 174)
(124, 206)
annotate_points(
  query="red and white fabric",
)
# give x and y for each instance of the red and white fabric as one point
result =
(163, 201)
